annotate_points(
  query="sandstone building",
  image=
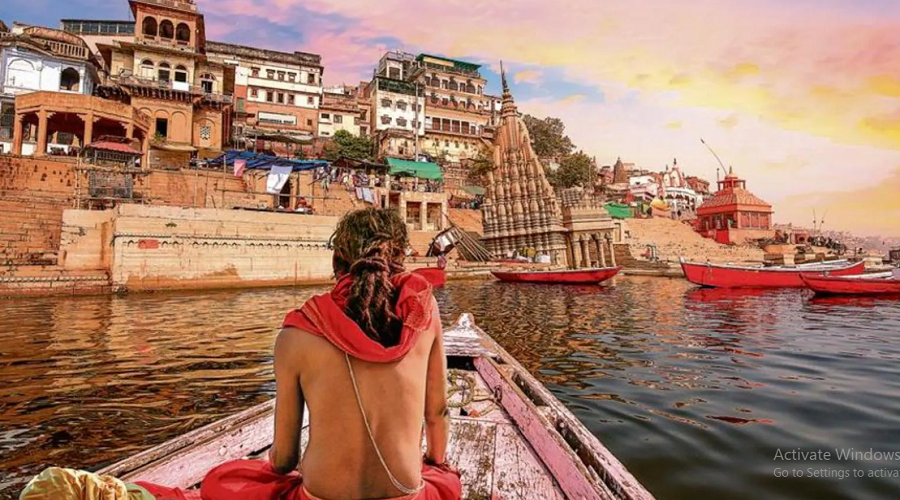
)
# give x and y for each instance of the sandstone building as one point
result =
(277, 95)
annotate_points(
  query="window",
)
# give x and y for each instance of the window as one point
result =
(401, 121)
(401, 105)
(386, 120)
(456, 144)
(292, 77)
(290, 98)
(148, 27)
(270, 96)
(70, 80)
(208, 83)
(309, 122)
(163, 73)
(394, 73)
(338, 119)
(281, 75)
(254, 72)
(419, 108)
(254, 92)
(147, 69)
(280, 98)
(324, 133)
(386, 103)
(311, 79)
(167, 29)
(454, 85)
(205, 132)
(181, 74)
(446, 144)
(270, 74)
(162, 127)
(356, 120)
(240, 104)
(444, 84)
(326, 116)
(183, 34)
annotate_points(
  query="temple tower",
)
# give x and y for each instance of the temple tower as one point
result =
(520, 208)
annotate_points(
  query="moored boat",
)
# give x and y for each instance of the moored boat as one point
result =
(866, 284)
(435, 275)
(510, 437)
(573, 276)
(733, 276)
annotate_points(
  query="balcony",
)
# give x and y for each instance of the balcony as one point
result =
(68, 50)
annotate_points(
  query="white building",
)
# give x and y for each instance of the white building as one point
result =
(397, 117)
(34, 58)
(339, 111)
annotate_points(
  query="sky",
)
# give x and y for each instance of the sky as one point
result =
(800, 97)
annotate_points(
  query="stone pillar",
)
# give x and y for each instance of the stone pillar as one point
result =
(129, 130)
(612, 253)
(145, 147)
(41, 134)
(423, 215)
(18, 134)
(88, 128)
(585, 253)
(402, 208)
(601, 251)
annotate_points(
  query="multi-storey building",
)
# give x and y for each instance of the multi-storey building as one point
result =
(95, 32)
(34, 59)
(277, 94)
(339, 111)
(164, 72)
(397, 106)
(457, 111)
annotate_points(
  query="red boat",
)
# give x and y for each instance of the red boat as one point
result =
(730, 276)
(435, 275)
(866, 284)
(575, 276)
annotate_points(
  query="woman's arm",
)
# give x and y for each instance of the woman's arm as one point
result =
(285, 453)
(437, 415)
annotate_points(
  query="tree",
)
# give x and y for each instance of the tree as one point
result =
(346, 144)
(548, 137)
(574, 170)
(482, 163)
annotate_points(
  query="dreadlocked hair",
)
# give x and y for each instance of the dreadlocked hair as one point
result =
(369, 245)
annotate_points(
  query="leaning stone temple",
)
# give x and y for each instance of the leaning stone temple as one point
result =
(521, 209)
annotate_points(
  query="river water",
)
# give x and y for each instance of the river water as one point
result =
(696, 391)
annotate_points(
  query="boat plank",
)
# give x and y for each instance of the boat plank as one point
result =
(471, 451)
(568, 470)
(518, 472)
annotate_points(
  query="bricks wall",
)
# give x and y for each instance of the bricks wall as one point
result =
(33, 195)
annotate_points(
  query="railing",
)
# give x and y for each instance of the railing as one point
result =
(449, 69)
(67, 49)
(187, 5)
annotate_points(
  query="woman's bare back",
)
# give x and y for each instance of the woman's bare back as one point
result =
(340, 462)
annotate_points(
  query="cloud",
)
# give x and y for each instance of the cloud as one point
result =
(729, 122)
(528, 76)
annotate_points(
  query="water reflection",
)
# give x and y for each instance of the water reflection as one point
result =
(693, 389)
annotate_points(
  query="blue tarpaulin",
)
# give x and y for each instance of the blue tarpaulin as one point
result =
(266, 162)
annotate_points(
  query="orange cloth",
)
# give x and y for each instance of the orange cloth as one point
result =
(323, 315)
(256, 480)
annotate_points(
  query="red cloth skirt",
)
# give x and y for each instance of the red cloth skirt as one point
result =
(255, 480)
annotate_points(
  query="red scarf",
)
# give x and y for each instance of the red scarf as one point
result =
(324, 315)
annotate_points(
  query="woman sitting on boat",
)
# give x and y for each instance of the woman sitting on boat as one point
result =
(368, 361)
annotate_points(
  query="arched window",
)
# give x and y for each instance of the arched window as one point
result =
(70, 80)
(147, 69)
(181, 74)
(149, 26)
(208, 83)
(166, 29)
(183, 33)
(164, 74)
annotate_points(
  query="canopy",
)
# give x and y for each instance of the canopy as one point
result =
(420, 169)
(619, 211)
(475, 190)
(266, 162)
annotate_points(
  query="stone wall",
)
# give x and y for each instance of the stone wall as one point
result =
(33, 195)
(166, 247)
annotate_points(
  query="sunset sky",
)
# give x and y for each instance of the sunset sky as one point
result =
(802, 97)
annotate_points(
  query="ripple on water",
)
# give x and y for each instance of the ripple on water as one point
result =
(693, 389)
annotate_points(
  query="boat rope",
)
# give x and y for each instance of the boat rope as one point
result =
(463, 381)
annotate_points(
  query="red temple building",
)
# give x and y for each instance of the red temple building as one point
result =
(735, 215)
